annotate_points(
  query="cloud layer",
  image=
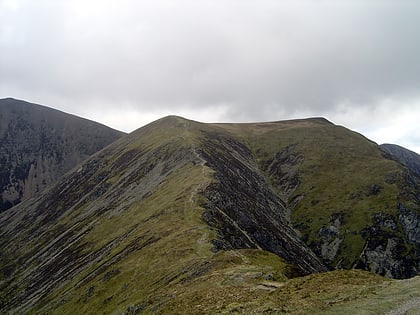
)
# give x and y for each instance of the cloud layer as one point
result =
(355, 62)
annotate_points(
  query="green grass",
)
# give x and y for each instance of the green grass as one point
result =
(239, 286)
(153, 252)
(181, 243)
(338, 169)
(337, 164)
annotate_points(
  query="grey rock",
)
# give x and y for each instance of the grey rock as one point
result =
(329, 249)
(269, 277)
(329, 238)
(408, 158)
(382, 260)
(410, 221)
(245, 210)
(385, 220)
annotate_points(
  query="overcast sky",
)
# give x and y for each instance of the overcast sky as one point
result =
(126, 63)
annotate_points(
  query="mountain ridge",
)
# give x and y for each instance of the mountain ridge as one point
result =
(406, 157)
(216, 200)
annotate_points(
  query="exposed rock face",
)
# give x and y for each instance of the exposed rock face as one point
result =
(38, 145)
(386, 254)
(330, 238)
(383, 258)
(410, 221)
(283, 169)
(406, 157)
(245, 210)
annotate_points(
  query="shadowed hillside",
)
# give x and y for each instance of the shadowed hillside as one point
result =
(183, 216)
(406, 157)
(39, 144)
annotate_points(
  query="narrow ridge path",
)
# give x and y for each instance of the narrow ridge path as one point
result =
(411, 306)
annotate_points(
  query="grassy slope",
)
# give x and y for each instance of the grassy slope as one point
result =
(338, 170)
(173, 257)
(168, 239)
(240, 286)
(161, 261)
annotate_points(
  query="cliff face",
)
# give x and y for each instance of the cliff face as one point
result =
(38, 145)
(245, 209)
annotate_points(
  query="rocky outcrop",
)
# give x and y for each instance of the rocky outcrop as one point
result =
(38, 145)
(45, 241)
(384, 258)
(410, 222)
(385, 253)
(245, 211)
(283, 169)
(329, 238)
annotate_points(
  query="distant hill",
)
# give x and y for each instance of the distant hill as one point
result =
(39, 144)
(406, 157)
(186, 217)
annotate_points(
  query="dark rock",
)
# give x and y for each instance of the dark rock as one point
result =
(38, 145)
(245, 211)
(283, 171)
(135, 309)
(410, 221)
(89, 292)
(385, 256)
(269, 277)
(329, 240)
(110, 274)
(374, 190)
(408, 158)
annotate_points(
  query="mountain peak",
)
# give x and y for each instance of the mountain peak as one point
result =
(39, 144)
(322, 120)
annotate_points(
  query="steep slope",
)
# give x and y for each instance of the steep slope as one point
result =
(353, 205)
(128, 224)
(182, 216)
(406, 157)
(242, 205)
(38, 145)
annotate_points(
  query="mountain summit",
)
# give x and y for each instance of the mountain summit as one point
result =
(171, 215)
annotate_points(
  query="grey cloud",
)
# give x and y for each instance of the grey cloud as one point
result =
(255, 57)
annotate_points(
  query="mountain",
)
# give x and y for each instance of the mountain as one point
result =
(406, 157)
(353, 206)
(39, 144)
(181, 216)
